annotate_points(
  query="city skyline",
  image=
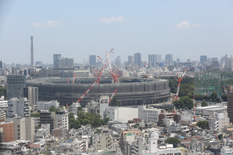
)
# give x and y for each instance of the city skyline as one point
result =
(184, 29)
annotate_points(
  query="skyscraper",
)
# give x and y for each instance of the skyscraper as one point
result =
(153, 59)
(169, 59)
(130, 60)
(0, 64)
(92, 59)
(15, 86)
(55, 58)
(118, 61)
(137, 59)
(32, 52)
(203, 58)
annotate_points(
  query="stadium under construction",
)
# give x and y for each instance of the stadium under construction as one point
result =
(131, 91)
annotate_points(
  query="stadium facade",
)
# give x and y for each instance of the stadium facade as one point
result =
(131, 91)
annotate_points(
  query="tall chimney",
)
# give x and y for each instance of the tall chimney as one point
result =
(32, 57)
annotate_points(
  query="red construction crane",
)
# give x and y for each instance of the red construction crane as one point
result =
(113, 94)
(74, 78)
(179, 81)
(68, 80)
(224, 89)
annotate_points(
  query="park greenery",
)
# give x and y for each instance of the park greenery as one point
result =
(204, 103)
(174, 141)
(184, 103)
(203, 124)
(86, 118)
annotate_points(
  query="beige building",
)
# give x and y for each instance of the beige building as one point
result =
(24, 128)
(32, 96)
(103, 141)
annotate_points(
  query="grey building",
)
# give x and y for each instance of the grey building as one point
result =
(169, 59)
(64, 63)
(47, 118)
(153, 59)
(92, 59)
(55, 58)
(203, 58)
(38, 63)
(0, 64)
(18, 107)
(130, 60)
(137, 59)
(32, 96)
(15, 86)
(118, 61)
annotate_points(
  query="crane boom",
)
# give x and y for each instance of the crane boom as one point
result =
(113, 94)
(178, 86)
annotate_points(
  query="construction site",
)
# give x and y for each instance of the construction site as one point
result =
(105, 81)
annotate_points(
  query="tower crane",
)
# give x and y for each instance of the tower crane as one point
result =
(179, 81)
(224, 89)
(74, 78)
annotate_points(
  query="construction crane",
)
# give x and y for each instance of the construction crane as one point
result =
(109, 64)
(74, 78)
(179, 81)
(113, 94)
(224, 89)
(68, 80)
(95, 83)
(142, 72)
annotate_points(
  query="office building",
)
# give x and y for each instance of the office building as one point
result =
(169, 59)
(45, 105)
(203, 58)
(154, 59)
(18, 108)
(8, 130)
(64, 63)
(24, 128)
(137, 59)
(47, 117)
(219, 122)
(130, 60)
(0, 64)
(15, 86)
(118, 61)
(215, 65)
(55, 58)
(32, 52)
(229, 64)
(92, 60)
(230, 103)
(32, 96)
(178, 60)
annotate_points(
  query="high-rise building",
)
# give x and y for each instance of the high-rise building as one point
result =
(137, 59)
(92, 60)
(130, 60)
(38, 63)
(203, 58)
(230, 103)
(178, 60)
(32, 52)
(55, 58)
(24, 128)
(153, 59)
(65, 63)
(0, 64)
(169, 59)
(15, 86)
(32, 96)
(118, 61)
(229, 64)
(18, 107)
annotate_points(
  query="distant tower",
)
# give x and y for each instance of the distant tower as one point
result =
(32, 61)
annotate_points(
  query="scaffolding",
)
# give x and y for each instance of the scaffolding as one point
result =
(208, 82)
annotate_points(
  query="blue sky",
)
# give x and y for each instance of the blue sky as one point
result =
(77, 29)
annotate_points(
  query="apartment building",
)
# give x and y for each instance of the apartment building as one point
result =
(149, 114)
(7, 128)
(18, 107)
(219, 122)
(102, 141)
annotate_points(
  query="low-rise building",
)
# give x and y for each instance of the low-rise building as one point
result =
(59, 132)
(44, 105)
(61, 119)
(210, 110)
(8, 130)
(149, 114)
(42, 132)
(226, 150)
(74, 107)
(219, 122)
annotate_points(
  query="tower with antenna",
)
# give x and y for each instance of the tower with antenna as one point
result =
(32, 54)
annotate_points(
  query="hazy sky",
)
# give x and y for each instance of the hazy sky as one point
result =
(77, 29)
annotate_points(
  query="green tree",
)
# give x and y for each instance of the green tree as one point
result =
(184, 102)
(79, 109)
(220, 137)
(203, 124)
(213, 96)
(173, 141)
(53, 109)
(114, 102)
(37, 114)
(204, 103)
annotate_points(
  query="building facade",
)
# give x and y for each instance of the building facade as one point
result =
(55, 58)
(15, 86)
(33, 96)
(137, 59)
(43, 105)
(8, 130)
(92, 60)
(149, 114)
(18, 107)
(169, 59)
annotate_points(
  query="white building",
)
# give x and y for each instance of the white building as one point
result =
(210, 110)
(3, 107)
(43, 105)
(32, 96)
(153, 148)
(226, 150)
(149, 114)
(168, 121)
(74, 107)
(42, 132)
(220, 121)
(18, 107)
(98, 107)
(61, 119)
(121, 114)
